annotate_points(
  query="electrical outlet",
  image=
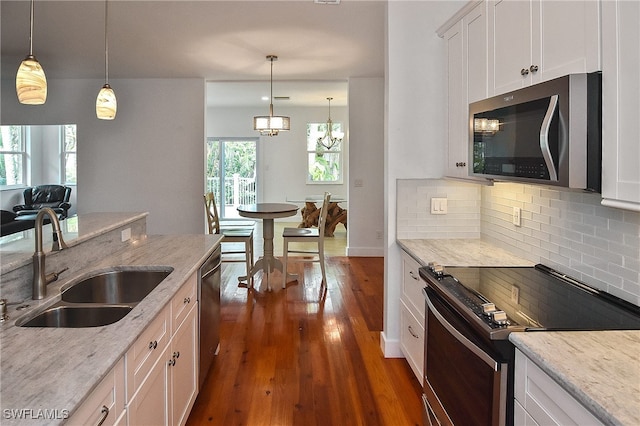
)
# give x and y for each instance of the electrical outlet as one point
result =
(378, 235)
(516, 217)
(125, 234)
(358, 183)
(515, 294)
(438, 206)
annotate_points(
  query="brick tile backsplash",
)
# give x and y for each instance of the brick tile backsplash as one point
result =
(566, 230)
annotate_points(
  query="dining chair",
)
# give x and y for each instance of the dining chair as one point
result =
(306, 235)
(233, 233)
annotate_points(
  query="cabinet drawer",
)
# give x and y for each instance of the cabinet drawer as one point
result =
(183, 301)
(145, 351)
(412, 285)
(412, 340)
(105, 402)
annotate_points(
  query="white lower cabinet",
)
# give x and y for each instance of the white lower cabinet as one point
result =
(540, 400)
(412, 315)
(105, 405)
(162, 382)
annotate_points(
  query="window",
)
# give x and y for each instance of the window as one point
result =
(68, 155)
(324, 160)
(13, 156)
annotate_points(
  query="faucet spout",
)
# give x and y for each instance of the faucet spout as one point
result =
(40, 278)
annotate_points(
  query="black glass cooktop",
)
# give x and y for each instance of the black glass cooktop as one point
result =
(541, 298)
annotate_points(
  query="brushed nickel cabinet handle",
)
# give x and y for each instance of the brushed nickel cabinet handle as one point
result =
(413, 333)
(105, 414)
(524, 71)
(153, 345)
(533, 68)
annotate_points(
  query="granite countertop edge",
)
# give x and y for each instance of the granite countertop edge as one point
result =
(27, 355)
(568, 357)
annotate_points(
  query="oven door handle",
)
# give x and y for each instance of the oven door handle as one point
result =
(462, 339)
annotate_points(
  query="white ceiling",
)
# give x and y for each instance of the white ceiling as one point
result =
(319, 45)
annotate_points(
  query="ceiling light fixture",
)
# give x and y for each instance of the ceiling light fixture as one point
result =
(330, 137)
(106, 104)
(31, 83)
(270, 125)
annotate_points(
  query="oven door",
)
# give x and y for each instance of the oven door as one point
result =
(465, 379)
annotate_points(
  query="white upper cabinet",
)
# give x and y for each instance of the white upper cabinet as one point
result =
(533, 41)
(466, 44)
(621, 104)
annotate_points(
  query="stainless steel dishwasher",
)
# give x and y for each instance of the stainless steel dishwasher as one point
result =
(209, 305)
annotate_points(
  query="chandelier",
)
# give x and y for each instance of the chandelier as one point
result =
(31, 83)
(270, 125)
(330, 138)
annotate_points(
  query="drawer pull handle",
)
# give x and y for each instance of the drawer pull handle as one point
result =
(176, 354)
(153, 345)
(413, 333)
(172, 362)
(187, 300)
(413, 275)
(105, 414)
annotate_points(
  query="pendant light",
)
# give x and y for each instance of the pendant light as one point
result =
(106, 104)
(329, 139)
(31, 83)
(270, 125)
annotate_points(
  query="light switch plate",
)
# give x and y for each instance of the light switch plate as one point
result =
(438, 206)
(516, 218)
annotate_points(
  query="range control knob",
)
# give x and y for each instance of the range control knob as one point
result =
(436, 269)
(487, 308)
(499, 317)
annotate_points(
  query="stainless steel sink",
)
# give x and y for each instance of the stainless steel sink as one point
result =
(78, 316)
(113, 287)
(100, 299)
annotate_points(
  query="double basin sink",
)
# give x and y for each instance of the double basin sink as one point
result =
(100, 299)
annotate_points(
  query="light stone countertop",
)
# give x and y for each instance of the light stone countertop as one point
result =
(460, 252)
(56, 368)
(75, 230)
(600, 369)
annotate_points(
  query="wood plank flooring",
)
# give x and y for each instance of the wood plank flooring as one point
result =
(304, 356)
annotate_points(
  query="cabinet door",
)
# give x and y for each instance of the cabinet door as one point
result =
(150, 405)
(183, 373)
(510, 45)
(621, 104)
(476, 55)
(563, 48)
(457, 105)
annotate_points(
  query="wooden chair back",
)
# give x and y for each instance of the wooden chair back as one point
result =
(213, 220)
(322, 220)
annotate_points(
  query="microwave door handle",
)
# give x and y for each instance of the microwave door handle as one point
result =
(544, 138)
(462, 339)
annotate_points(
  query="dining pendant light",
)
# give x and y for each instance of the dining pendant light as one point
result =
(270, 125)
(106, 104)
(329, 139)
(31, 83)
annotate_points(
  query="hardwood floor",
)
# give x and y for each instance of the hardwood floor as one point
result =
(302, 356)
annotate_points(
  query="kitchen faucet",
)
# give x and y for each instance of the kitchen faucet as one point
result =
(40, 278)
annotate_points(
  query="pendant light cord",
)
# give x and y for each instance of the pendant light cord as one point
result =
(271, 89)
(106, 43)
(31, 30)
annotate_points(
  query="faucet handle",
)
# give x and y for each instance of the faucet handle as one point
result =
(54, 276)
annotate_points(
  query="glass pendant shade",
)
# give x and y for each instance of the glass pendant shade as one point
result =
(31, 83)
(106, 104)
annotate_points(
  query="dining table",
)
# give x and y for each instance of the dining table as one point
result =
(267, 212)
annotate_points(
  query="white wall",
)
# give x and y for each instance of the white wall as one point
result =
(282, 159)
(416, 125)
(366, 166)
(150, 158)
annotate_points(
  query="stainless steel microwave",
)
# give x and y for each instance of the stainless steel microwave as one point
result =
(548, 133)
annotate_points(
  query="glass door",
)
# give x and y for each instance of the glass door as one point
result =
(231, 173)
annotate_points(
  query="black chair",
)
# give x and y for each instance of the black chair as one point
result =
(37, 197)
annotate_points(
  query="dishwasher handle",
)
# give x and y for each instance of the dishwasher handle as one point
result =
(212, 264)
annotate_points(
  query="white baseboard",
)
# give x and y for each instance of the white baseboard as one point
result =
(390, 348)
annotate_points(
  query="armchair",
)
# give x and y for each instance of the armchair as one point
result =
(37, 197)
